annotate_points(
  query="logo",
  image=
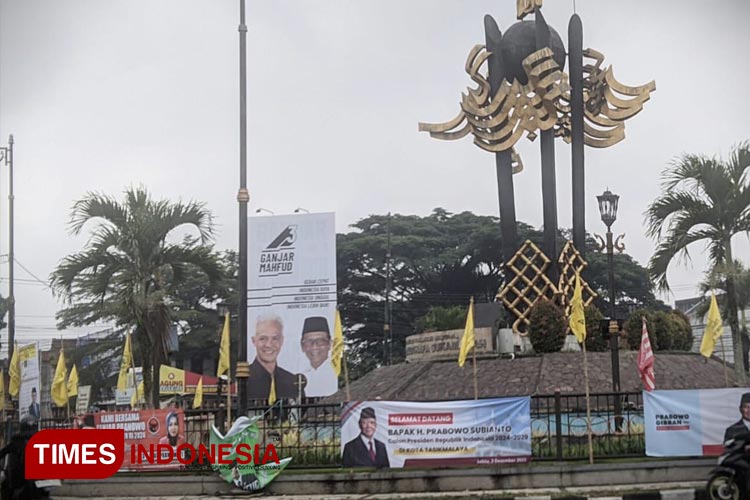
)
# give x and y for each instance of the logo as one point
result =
(278, 257)
(99, 453)
(286, 238)
(74, 453)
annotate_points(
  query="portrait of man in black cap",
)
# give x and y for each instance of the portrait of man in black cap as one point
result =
(365, 450)
(268, 339)
(743, 424)
(316, 344)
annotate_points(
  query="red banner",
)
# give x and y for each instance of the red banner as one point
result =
(146, 428)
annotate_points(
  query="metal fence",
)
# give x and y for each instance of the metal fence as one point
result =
(311, 433)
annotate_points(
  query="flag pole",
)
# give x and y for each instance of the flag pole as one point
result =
(474, 362)
(229, 399)
(346, 376)
(588, 402)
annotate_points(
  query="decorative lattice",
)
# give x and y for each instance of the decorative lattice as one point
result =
(528, 282)
(570, 261)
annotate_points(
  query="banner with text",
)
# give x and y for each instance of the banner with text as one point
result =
(692, 422)
(146, 428)
(436, 434)
(29, 395)
(291, 291)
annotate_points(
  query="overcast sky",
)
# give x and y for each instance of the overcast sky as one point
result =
(104, 94)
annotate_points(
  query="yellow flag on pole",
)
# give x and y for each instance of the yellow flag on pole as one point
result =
(577, 320)
(73, 382)
(198, 399)
(337, 351)
(713, 330)
(136, 397)
(272, 392)
(125, 364)
(15, 372)
(467, 340)
(224, 350)
(59, 391)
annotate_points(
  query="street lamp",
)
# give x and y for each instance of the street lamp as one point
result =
(300, 209)
(608, 210)
(264, 210)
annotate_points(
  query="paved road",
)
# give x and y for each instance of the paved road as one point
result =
(656, 491)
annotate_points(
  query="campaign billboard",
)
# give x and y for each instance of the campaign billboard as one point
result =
(436, 434)
(693, 422)
(146, 428)
(291, 305)
(29, 395)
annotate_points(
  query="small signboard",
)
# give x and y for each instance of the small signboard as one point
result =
(84, 396)
(437, 346)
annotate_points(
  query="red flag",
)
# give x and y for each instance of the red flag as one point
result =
(646, 360)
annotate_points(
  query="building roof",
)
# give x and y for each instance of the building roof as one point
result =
(533, 375)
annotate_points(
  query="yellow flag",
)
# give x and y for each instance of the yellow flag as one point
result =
(272, 392)
(337, 352)
(577, 320)
(713, 330)
(59, 391)
(125, 364)
(198, 399)
(15, 372)
(137, 394)
(467, 340)
(224, 350)
(73, 382)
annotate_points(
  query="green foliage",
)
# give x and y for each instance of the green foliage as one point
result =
(667, 331)
(129, 271)
(442, 318)
(704, 199)
(547, 327)
(438, 261)
(595, 339)
(3, 311)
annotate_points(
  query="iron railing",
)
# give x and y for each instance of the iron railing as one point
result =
(311, 433)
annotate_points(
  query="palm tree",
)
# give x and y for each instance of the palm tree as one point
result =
(128, 271)
(703, 199)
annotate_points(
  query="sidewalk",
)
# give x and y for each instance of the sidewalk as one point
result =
(654, 491)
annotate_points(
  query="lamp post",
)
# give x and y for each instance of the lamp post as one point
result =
(6, 157)
(608, 210)
(264, 210)
(300, 209)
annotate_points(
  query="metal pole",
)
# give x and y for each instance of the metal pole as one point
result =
(11, 256)
(388, 311)
(613, 336)
(243, 197)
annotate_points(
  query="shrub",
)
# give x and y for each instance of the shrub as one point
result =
(668, 331)
(547, 327)
(595, 340)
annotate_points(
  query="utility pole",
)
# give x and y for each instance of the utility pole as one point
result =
(6, 155)
(388, 327)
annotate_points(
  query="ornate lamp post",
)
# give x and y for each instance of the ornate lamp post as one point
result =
(608, 210)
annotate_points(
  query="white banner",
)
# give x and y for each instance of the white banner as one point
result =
(82, 401)
(29, 396)
(446, 433)
(693, 422)
(291, 305)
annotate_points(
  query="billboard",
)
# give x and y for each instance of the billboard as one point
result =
(29, 395)
(692, 422)
(291, 305)
(446, 433)
(146, 428)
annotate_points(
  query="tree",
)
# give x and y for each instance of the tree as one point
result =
(129, 270)
(547, 327)
(440, 260)
(667, 330)
(703, 200)
(440, 318)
